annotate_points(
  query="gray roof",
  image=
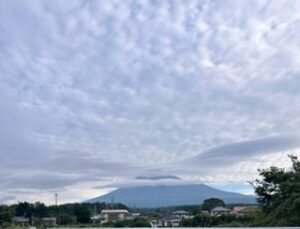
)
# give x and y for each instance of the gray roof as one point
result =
(20, 219)
(108, 211)
(171, 217)
(180, 212)
(220, 209)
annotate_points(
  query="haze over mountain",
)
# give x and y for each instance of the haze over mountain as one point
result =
(170, 195)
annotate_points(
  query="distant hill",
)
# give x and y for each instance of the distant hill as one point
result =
(170, 195)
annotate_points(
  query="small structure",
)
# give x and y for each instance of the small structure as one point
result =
(45, 221)
(205, 212)
(110, 215)
(244, 210)
(49, 221)
(133, 215)
(171, 221)
(156, 221)
(97, 218)
(218, 211)
(21, 220)
(182, 214)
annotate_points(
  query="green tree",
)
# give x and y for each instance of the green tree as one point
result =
(137, 222)
(211, 203)
(82, 213)
(279, 194)
(40, 210)
(5, 215)
(24, 209)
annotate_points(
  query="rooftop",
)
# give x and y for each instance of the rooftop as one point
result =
(114, 211)
(220, 209)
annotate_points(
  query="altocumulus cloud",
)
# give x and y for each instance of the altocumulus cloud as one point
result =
(96, 93)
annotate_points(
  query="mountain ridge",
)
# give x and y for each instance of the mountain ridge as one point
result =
(170, 195)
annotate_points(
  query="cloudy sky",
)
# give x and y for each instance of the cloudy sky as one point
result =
(96, 95)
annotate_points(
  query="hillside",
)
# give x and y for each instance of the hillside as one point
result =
(170, 195)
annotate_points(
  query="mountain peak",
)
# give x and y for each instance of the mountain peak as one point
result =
(170, 195)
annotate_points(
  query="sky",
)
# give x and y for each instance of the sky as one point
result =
(96, 95)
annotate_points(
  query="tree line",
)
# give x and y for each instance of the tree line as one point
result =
(71, 213)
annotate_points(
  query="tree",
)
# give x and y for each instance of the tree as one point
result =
(24, 209)
(82, 213)
(137, 222)
(40, 210)
(211, 203)
(5, 215)
(279, 194)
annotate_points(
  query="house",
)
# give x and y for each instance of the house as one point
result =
(171, 220)
(156, 221)
(182, 214)
(205, 212)
(97, 218)
(110, 215)
(46, 221)
(244, 210)
(218, 211)
(49, 221)
(133, 215)
(21, 220)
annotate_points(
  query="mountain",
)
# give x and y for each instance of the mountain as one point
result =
(170, 195)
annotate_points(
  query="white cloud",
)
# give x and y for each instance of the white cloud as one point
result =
(145, 82)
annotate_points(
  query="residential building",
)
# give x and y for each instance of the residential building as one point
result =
(243, 210)
(49, 221)
(171, 221)
(97, 218)
(182, 214)
(21, 220)
(110, 215)
(218, 211)
(205, 212)
(156, 221)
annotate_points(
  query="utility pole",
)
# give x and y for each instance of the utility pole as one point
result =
(55, 195)
(112, 203)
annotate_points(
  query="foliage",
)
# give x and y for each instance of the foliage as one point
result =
(202, 220)
(6, 214)
(24, 209)
(40, 210)
(137, 222)
(66, 214)
(211, 203)
(279, 195)
(82, 213)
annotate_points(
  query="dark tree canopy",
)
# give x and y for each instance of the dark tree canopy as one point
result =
(24, 209)
(82, 213)
(40, 210)
(211, 203)
(137, 222)
(279, 194)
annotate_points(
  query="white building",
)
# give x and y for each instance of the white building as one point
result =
(182, 214)
(218, 211)
(110, 215)
(21, 220)
(171, 221)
